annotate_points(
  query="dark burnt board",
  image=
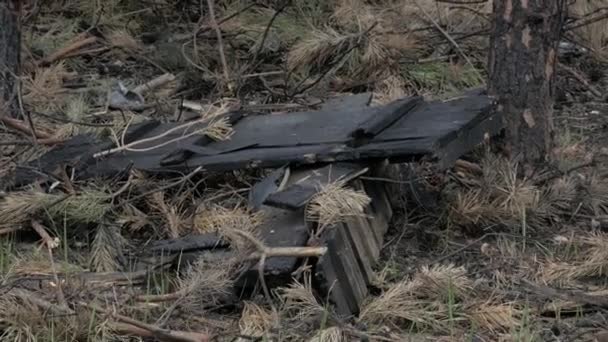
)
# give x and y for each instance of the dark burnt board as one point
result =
(304, 183)
(404, 130)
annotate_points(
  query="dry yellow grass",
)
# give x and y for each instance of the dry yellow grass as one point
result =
(298, 303)
(437, 280)
(256, 321)
(335, 202)
(216, 218)
(44, 89)
(495, 318)
(423, 300)
(208, 281)
(502, 197)
(173, 216)
(124, 40)
(399, 305)
(590, 261)
(332, 334)
(320, 48)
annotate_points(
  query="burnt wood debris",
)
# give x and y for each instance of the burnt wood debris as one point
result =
(346, 139)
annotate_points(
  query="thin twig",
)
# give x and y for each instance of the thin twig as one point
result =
(220, 43)
(581, 79)
(168, 186)
(18, 125)
(50, 244)
(449, 38)
(154, 331)
(266, 31)
(131, 146)
(154, 83)
(332, 65)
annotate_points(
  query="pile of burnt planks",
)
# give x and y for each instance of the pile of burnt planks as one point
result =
(345, 140)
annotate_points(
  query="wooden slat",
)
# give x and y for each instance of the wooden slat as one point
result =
(338, 275)
(281, 228)
(443, 129)
(328, 284)
(364, 255)
(305, 183)
(378, 123)
(380, 210)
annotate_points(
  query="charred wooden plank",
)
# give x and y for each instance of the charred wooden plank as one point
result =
(304, 183)
(325, 126)
(356, 232)
(377, 124)
(444, 129)
(282, 228)
(337, 274)
(353, 249)
(261, 190)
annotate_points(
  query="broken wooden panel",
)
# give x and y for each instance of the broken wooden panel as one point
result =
(301, 139)
(378, 123)
(337, 274)
(347, 269)
(357, 233)
(307, 128)
(305, 183)
(281, 228)
(270, 184)
(460, 143)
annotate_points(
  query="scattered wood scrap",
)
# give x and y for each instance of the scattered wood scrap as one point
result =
(336, 144)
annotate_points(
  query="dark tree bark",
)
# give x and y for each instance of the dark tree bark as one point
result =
(10, 54)
(523, 53)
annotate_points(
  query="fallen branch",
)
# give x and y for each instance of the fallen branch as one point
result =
(296, 252)
(268, 252)
(581, 79)
(75, 44)
(18, 125)
(123, 325)
(43, 303)
(154, 83)
(138, 328)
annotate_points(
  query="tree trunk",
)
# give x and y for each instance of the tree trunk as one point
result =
(10, 53)
(523, 53)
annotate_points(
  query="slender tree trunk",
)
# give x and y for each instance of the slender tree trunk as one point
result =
(523, 53)
(10, 55)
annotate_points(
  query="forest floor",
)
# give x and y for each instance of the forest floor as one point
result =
(479, 253)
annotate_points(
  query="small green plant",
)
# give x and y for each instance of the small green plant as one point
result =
(7, 250)
(525, 332)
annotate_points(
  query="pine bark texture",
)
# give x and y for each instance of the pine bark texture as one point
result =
(522, 61)
(10, 55)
